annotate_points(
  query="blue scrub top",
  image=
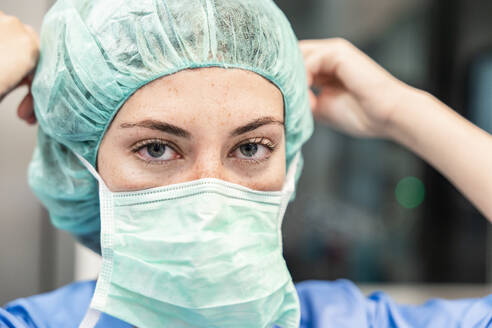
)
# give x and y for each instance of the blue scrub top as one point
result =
(323, 304)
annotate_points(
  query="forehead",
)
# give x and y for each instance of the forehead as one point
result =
(213, 94)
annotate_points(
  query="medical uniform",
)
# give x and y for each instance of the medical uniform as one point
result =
(324, 304)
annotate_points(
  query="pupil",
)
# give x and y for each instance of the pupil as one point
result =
(248, 150)
(156, 150)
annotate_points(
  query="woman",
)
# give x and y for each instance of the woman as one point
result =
(189, 122)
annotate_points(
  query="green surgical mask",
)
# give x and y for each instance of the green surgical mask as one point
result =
(205, 253)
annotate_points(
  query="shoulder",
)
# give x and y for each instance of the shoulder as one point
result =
(63, 307)
(472, 312)
(340, 303)
(331, 304)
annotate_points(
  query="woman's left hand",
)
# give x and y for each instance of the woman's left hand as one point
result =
(357, 96)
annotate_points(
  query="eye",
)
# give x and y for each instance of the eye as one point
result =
(156, 151)
(249, 150)
(254, 150)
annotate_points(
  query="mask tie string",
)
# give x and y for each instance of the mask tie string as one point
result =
(290, 179)
(92, 315)
(90, 319)
(92, 171)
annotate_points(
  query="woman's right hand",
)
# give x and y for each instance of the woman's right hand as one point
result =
(357, 96)
(19, 53)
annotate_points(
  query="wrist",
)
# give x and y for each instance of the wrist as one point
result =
(409, 104)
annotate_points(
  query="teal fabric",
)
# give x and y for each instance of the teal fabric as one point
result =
(96, 54)
(202, 253)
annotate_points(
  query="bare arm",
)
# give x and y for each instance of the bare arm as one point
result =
(360, 98)
(457, 148)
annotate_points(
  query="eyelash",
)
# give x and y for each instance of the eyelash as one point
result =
(259, 141)
(140, 145)
(271, 146)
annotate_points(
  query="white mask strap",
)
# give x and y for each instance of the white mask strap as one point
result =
(289, 185)
(91, 318)
(92, 170)
(92, 315)
(290, 178)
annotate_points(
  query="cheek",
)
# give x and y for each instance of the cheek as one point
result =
(115, 169)
(274, 185)
(114, 176)
(272, 179)
(117, 179)
(122, 174)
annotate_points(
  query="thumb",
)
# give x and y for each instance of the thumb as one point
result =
(326, 103)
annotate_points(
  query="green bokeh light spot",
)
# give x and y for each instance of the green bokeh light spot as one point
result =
(410, 192)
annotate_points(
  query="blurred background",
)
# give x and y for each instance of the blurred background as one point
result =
(366, 210)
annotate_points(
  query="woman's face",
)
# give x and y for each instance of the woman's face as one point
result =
(200, 123)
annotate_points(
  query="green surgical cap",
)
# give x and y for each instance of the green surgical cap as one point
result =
(96, 53)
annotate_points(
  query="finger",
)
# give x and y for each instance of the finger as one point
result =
(312, 99)
(312, 65)
(309, 78)
(25, 111)
(310, 43)
(33, 47)
(333, 108)
(327, 54)
(25, 81)
(31, 120)
(339, 60)
(32, 33)
(321, 71)
(321, 61)
(308, 47)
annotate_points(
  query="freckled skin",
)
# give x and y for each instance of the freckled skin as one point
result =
(209, 103)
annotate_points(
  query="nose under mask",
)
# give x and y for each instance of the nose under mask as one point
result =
(204, 253)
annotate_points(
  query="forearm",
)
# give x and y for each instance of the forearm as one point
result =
(461, 151)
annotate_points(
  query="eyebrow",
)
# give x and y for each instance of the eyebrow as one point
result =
(255, 125)
(177, 131)
(160, 126)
